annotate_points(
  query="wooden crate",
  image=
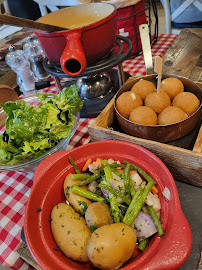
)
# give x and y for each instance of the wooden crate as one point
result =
(185, 165)
(182, 58)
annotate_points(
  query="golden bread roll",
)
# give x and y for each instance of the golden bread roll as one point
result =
(157, 101)
(187, 102)
(143, 88)
(171, 115)
(127, 102)
(144, 116)
(172, 86)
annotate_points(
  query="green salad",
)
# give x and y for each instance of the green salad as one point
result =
(32, 130)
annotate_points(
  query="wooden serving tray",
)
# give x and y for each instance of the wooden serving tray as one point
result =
(185, 165)
(184, 57)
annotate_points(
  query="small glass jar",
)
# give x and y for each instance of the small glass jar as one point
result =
(18, 62)
(35, 55)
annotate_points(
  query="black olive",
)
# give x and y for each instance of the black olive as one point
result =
(5, 137)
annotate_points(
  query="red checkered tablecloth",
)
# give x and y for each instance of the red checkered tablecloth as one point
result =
(15, 187)
(136, 66)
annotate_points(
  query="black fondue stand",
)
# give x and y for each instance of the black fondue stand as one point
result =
(99, 82)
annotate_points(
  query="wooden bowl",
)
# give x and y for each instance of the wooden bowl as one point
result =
(6, 94)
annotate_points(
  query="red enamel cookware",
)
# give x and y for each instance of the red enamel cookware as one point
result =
(163, 253)
(90, 37)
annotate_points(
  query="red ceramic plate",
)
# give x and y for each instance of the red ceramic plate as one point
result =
(167, 252)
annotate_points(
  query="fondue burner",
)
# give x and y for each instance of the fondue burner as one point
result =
(99, 82)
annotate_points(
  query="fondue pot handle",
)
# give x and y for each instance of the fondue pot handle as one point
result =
(73, 60)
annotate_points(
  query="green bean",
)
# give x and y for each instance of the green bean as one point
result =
(104, 162)
(132, 188)
(133, 203)
(142, 245)
(123, 207)
(79, 176)
(138, 206)
(127, 180)
(142, 172)
(117, 165)
(115, 192)
(91, 178)
(112, 165)
(123, 210)
(114, 170)
(156, 220)
(140, 203)
(112, 199)
(87, 194)
(74, 165)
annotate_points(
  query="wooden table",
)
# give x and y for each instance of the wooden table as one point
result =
(184, 57)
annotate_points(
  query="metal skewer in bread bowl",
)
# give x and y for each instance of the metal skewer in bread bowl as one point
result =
(156, 132)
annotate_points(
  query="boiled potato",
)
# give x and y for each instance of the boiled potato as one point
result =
(70, 232)
(97, 215)
(110, 246)
(78, 202)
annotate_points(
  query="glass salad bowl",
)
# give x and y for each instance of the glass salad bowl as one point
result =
(29, 163)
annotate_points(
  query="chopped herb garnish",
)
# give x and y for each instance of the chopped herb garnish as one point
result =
(85, 206)
(38, 210)
(120, 188)
(93, 227)
(67, 190)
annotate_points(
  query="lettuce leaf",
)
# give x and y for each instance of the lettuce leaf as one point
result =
(31, 131)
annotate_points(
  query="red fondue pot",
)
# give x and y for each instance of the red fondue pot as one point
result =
(90, 38)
